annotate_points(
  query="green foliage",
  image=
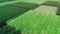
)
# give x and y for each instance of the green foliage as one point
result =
(36, 23)
(30, 22)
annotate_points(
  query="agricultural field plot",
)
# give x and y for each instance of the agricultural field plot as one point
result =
(46, 9)
(29, 17)
(36, 23)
